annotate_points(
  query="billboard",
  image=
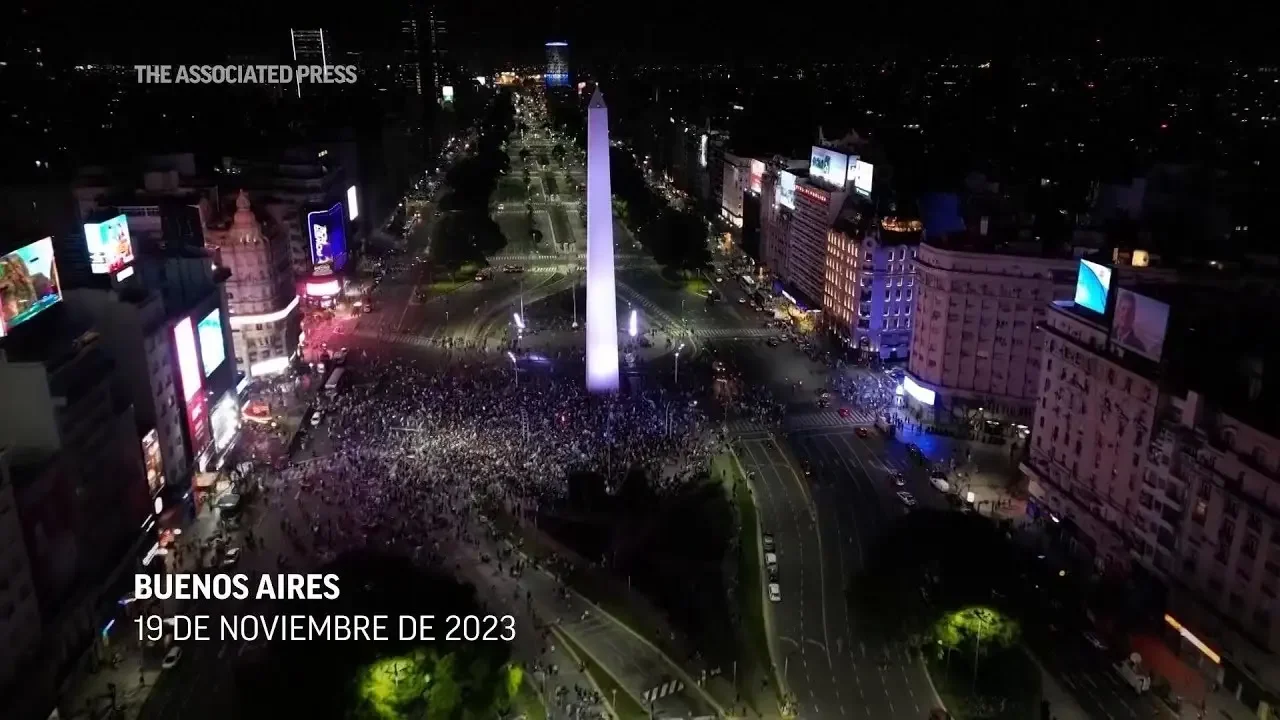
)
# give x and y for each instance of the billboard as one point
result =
(1093, 283)
(153, 461)
(225, 420)
(28, 283)
(702, 151)
(213, 349)
(446, 94)
(1139, 324)
(757, 176)
(110, 248)
(198, 423)
(326, 230)
(787, 189)
(862, 175)
(184, 341)
(829, 166)
(353, 207)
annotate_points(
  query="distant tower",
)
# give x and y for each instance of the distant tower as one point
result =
(557, 64)
(310, 47)
(602, 303)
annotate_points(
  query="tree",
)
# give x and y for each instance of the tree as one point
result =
(980, 627)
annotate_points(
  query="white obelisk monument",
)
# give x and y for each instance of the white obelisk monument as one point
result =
(602, 303)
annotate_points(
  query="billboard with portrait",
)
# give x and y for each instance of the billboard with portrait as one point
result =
(109, 244)
(757, 176)
(1139, 324)
(184, 341)
(787, 189)
(326, 230)
(153, 461)
(28, 283)
(863, 172)
(1093, 284)
(213, 349)
(829, 166)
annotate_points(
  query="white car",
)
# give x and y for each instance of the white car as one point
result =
(775, 592)
(742, 301)
(907, 498)
(316, 417)
(172, 657)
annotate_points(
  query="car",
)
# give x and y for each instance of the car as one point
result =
(939, 480)
(899, 479)
(742, 301)
(770, 559)
(316, 417)
(844, 413)
(907, 498)
(172, 657)
(767, 540)
(824, 403)
(775, 592)
(1093, 639)
(862, 432)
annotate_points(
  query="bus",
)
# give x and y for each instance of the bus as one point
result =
(334, 383)
(748, 283)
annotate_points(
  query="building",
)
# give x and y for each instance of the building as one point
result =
(310, 47)
(20, 625)
(261, 298)
(733, 186)
(409, 72)
(778, 204)
(1151, 455)
(869, 285)
(817, 208)
(557, 74)
(975, 352)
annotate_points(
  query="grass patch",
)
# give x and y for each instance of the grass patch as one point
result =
(515, 226)
(549, 184)
(1008, 684)
(529, 701)
(625, 707)
(448, 285)
(560, 224)
(511, 189)
(696, 286)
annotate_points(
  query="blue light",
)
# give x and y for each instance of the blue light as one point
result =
(1093, 284)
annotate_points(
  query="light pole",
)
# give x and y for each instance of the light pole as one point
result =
(515, 370)
(678, 362)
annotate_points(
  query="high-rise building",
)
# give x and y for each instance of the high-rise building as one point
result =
(602, 302)
(409, 73)
(310, 47)
(558, 64)
(817, 208)
(868, 287)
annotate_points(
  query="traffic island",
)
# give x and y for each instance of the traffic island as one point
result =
(620, 703)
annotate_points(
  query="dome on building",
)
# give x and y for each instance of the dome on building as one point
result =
(245, 228)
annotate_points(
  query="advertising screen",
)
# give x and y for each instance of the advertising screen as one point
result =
(225, 420)
(198, 422)
(446, 94)
(757, 176)
(28, 283)
(702, 151)
(327, 231)
(212, 348)
(1139, 324)
(829, 166)
(110, 248)
(787, 190)
(152, 460)
(184, 341)
(862, 174)
(353, 207)
(1093, 282)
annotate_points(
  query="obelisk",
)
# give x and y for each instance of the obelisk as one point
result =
(602, 304)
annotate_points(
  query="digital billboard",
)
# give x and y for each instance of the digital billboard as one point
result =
(757, 176)
(446, 94)
(787, 189)
(1140, 324)
(213, 349)
(198, 422)
(326, 230)
(1093, 282)
(28, 283)
(829, 166)
(225, 420)
(353, 206)
(184, 341)
(110, 248)
(152, 460)
(862, 175)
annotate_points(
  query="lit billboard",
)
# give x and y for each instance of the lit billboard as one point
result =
(326, 230)
(446, 94)
(184, 341)
(153, 461)
(787, 189)
(757, 176)
(1093, 283)
(702, 151)
(28, 283)
(213, 349)
(829, 166)
(1140, 324)
(353, 206)
(110, 248)
(225, 420)
(862, 175)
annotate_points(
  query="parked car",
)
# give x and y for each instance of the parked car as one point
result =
(767, 540)
(775, 592)
(172, 657)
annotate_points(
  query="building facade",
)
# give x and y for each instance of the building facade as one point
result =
(806, 245)
(261, 297)
(869, 290)
(975, 351)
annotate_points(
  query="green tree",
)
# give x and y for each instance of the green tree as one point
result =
(982, 628)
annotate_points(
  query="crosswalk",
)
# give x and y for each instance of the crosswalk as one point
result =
(669, 687)
(731, 333)
(804, 421)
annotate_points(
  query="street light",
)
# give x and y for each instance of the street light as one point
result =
(678, 362)
(515, 370)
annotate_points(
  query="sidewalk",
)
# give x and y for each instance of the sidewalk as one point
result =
(1062, 705)
(1186, 682)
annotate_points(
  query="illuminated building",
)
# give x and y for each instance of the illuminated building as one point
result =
(805, 264)
(557, 74)
(868, 288)
(602, 303)
(310, 47)
(261, 297)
